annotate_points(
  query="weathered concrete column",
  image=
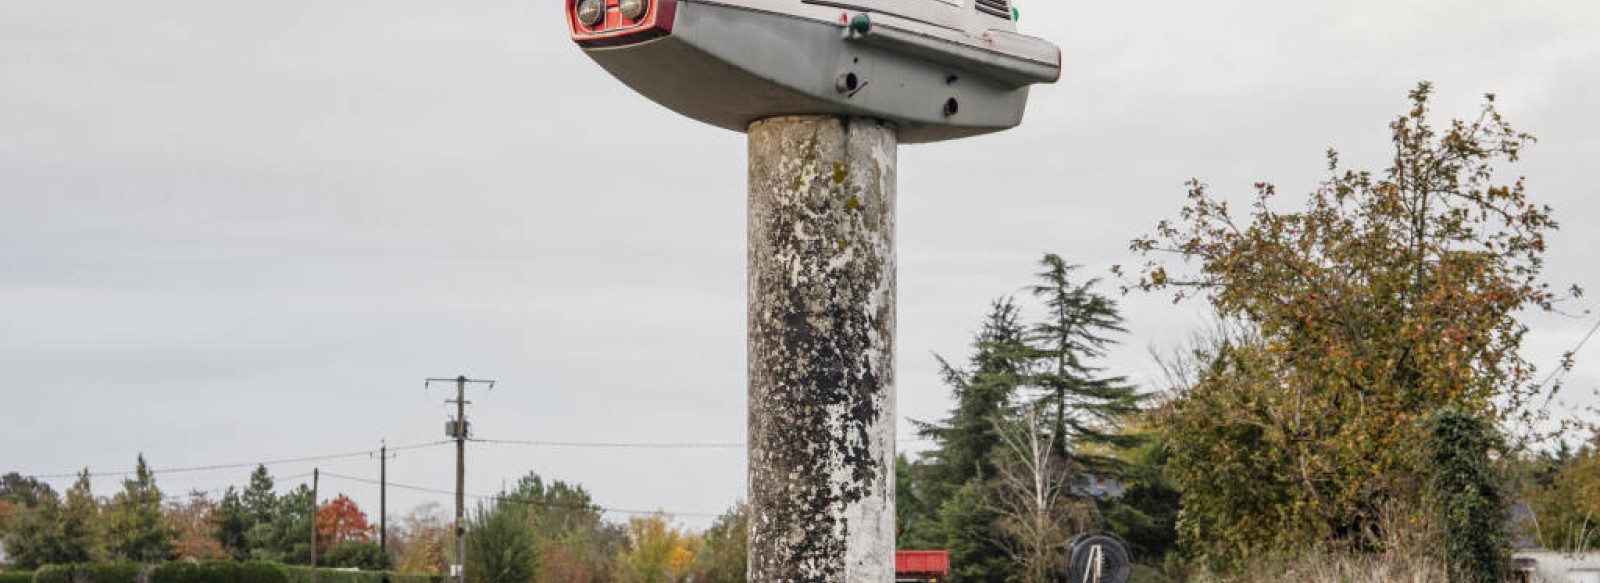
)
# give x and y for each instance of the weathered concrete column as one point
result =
(822, 321)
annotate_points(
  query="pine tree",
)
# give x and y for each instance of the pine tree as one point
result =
(286, 534)
(79, 525)
(259, 501)
(232, 525)
(967, 439)
(1084, 403)
(500, 544)
(952, 481)
(135, 529)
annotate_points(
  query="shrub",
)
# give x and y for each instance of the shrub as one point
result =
(262, 572)
(219, 572)
(298, 574)
(363, 555)
(54, 574)
(416, 578)
(110, 572)
(1470, 506)
(178, 572)
(16, 577)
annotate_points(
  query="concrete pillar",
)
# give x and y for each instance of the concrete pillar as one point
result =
(821, 353)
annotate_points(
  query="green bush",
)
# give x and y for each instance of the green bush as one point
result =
(179, 572)
(1147, 574)
(416, 578)
(219, 572)
(16, 577)
(302, 574)
(1467, 498)
(298, 574)
(54, 574)
(110, 572)
(363, 554)
(262, 572)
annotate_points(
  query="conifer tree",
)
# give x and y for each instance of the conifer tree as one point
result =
(134, 526)
(58, 531)
(956, 474)
(1084, 403)
(79, 525)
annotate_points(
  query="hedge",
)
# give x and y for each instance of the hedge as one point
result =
(262, 572)
(207, 572)
(54, 574)
(299, 574)
(219, 572)
(110, 572)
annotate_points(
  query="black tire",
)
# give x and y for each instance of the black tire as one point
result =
(1116, 564)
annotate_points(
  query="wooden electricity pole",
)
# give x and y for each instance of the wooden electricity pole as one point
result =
(316, 475)
(458, 431)
(383, 499)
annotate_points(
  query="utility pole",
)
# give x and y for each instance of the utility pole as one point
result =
(458, 431)
(316, 475)
(383, 499)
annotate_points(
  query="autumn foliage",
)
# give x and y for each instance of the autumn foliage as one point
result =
(1387, 296)
(339, 521)
(194, 525)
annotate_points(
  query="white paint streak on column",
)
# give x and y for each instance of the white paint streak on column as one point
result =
(821, 352)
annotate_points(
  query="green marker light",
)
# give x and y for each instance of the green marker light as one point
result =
(861, 24)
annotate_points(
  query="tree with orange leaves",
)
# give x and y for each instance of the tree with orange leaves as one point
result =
(340, 521)
(194, 528)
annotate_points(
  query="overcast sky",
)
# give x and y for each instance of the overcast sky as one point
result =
(237, 230)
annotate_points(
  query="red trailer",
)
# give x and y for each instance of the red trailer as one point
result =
(921, 566)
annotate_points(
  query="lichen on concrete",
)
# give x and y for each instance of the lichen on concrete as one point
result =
(821, 350)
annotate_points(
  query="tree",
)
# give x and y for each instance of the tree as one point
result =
(8, 512)
(341, 521)
(194, 527)
(1086, 404)
(24, 491)
(723, 555)
(420, 544)
(657, 551)
(574, 544)
(1567, 509)
(500, 544)
(1386, 297)
(952, 479)
(1145, 513)
(967, 438)
(285, 535)
(135, 530)
(242, 511)
(232, 525)
(259, 499)
(1038, 517)
(59, 531)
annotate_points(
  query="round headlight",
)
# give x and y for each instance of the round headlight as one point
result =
(591, 12)
(634, 9)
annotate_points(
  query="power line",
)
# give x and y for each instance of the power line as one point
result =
(233, 466)
(615, 445)
(640, 444)
(500, 497)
